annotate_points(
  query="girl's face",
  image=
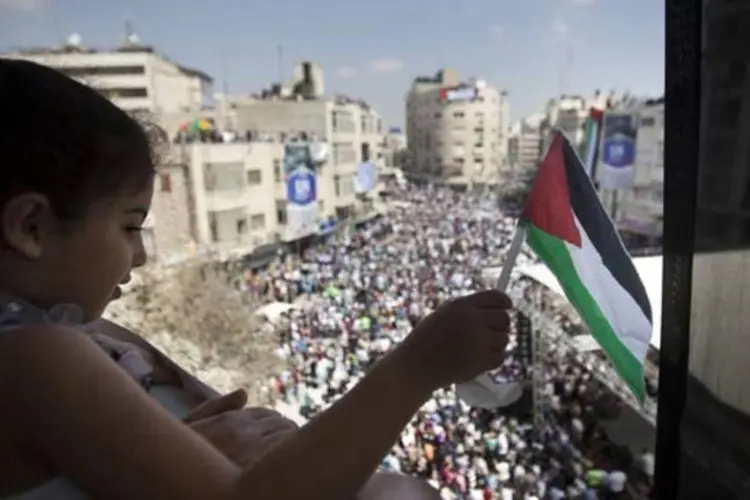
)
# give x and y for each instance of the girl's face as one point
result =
(82, 262)
(102, 250)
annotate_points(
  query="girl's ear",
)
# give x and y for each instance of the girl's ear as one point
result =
(26, 220)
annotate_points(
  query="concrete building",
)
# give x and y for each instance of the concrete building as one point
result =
(228, 195)
(135, 77)
(640, 210)
(525, 143)
(456, 130)
(395, 148)
(352, 130)
(568, 113)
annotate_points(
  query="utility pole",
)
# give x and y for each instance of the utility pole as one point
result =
(280, 62)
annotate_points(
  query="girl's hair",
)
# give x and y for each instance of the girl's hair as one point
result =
(66, 141)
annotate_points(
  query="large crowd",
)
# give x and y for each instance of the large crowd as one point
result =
(359, 294)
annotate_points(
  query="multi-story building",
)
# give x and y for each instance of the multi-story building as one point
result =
(135, 77)
(223, 189)
(352, 131)
(640, 209)
(394, 148)
(525, 143)
(456, 130)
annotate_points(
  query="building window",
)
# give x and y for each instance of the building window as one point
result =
(438, 114)
(253, 177)
(241, 226)
(344, 152)
(277, 171)
(337, 185)
(224, 177)
(458, 114)
(123, 93)
(365, 146)
(257, 221)
(213, 226)
(165, 183)
(281, 212)
(85, 71)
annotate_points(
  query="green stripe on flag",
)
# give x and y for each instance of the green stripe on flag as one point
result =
(555, 254)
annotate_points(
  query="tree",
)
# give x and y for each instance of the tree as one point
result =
(197, 315)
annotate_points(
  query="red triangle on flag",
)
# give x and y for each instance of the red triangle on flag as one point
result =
(548, 205)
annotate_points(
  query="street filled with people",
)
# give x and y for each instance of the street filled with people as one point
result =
(360, 292)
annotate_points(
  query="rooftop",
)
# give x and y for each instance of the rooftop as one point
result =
(73, 46)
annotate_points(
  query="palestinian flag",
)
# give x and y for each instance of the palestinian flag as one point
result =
(569, 230)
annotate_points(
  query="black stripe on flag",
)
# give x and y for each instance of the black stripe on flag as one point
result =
(600, 229)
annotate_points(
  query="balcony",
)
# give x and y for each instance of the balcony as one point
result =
(452, 170)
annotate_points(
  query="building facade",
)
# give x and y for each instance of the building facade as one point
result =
(135, 77)
(456, 130)
(351, 130)
(525, 143)
(641, 208)
(224, 189)
(395, 148)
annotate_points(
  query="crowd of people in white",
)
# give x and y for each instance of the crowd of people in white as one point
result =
(367, 291)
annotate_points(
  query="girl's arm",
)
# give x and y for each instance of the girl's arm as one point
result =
(70, 406)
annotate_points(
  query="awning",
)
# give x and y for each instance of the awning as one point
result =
(328, 226)
(262, 255)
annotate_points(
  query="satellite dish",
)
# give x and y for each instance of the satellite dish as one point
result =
(133, 39)
(74, 40)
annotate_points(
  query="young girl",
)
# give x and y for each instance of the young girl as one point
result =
(91, 411)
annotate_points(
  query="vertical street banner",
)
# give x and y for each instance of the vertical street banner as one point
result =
(618, 151)
(367, 177)
(301, 191)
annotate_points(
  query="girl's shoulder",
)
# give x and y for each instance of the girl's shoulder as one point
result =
(19, 318)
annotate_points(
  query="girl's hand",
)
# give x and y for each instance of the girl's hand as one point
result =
(241, 434)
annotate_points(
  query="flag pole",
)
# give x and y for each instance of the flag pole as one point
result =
(483, 391)
(510, 258)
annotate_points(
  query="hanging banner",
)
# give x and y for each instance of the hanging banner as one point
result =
(301, 191)
(618, 151)
(367, 177)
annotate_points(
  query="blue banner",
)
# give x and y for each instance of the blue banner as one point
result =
(618, 151)
(301, 191)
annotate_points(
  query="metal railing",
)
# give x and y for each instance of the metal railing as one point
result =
(546, 330)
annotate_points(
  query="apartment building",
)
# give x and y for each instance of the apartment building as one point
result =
(640, 209)
(136, 77)
(456, 130)
(351, 130)
(525, 143)
(395, 148)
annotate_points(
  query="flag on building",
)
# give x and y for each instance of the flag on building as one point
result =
(570, 231)
(590, 149)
